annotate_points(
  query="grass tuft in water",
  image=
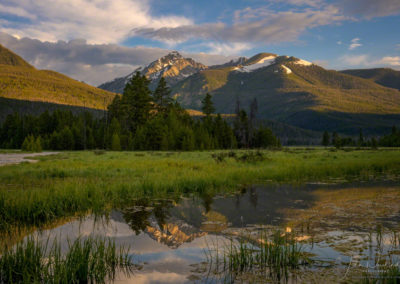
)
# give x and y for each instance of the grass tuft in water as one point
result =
(92, 260)
(272, 255)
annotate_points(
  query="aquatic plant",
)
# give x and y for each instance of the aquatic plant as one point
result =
(272, 255)
(92, 260)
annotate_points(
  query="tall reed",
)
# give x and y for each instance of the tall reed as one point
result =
(273, 255)
(92, 260)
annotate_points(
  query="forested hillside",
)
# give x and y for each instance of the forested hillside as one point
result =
(299, 93)
(384, 76)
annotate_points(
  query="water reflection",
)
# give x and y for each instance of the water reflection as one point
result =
(168, 237)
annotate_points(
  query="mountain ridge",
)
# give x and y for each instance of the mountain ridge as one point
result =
(297, 92)
(292, 91)
(384, 76)
(173, 67)
(21, 81)
(7, 57)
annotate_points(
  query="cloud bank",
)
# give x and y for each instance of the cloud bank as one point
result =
(92, 63)
(97, 21)
(82, 38)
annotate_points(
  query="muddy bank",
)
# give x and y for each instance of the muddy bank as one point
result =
(16, 158)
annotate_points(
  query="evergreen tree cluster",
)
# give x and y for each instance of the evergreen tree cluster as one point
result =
(249, 132)
(60, 130)
(31, 144)
(390, 140)
(136, 120)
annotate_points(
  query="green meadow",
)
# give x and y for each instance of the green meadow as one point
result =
(77, 183)
(70, 185)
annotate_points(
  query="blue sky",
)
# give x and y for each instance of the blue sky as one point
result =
(97, 40)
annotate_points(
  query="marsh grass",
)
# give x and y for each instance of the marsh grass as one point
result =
(273, 255)
(78, 183)
(385, 266)
(92, 260)
(388, 273)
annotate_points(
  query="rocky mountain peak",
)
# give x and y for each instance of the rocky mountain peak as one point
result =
(173, 67)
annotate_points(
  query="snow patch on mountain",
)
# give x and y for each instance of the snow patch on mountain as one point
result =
(263, 62)
(287, 70)
(303, 62)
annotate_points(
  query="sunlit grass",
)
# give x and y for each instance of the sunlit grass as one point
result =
(82, 182)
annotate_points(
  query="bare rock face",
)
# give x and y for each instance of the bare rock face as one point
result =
(173, 67)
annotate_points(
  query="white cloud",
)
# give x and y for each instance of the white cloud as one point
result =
(355, 42)
(228, 48)
(250, 25)
(355, 60)
(93, 63)
(98, 21)
(391, 61)
(367, 61)
(312, 3)
(369, 8)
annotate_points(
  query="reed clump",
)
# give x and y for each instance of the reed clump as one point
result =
(273, 255)
(92, 260)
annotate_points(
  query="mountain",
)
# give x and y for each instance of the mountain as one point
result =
(7, 57)
(10, 106)
(21, 81)
(296, 92)
(173, 67)
(384, 76)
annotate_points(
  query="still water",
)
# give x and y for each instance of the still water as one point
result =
(339, 226)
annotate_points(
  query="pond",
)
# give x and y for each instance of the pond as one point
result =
(343, 230)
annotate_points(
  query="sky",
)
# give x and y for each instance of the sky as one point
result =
(98, 40)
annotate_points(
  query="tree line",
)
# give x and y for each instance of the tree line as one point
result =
(137, 120)
(389, 140)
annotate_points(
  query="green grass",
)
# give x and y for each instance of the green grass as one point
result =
(74, 183)
(87, 261)
(273, 254)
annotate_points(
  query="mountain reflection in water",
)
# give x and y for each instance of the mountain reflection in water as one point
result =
(169, 237)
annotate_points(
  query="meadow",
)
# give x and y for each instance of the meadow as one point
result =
(74, 184)
(77, 183)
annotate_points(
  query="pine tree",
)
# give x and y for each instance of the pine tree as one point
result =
(139, 140)
(243, 129)
(265, 138)
(66, 139)
(208, 106)
(336, 141)
(136, 102)
(54, 142)
(361, 139)
(115, 142)
(253, 120)
(161, 96)
(27, 144)
(325, 139)
(374, 143)
(38, 144)
(394, 130)
(115, 108)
